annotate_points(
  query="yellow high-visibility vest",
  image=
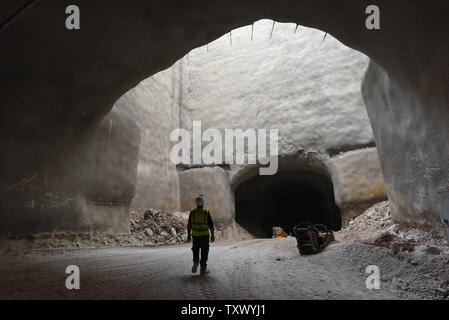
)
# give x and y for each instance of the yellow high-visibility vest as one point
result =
(200, 227)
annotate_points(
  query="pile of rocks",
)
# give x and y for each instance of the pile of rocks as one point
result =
(377, 221)
(371, 223)
(412, 261)
(148, 228)
(155, 227)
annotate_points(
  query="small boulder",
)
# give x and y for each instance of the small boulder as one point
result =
(148, 214)
(397, 247)
(432, 250)
(149, 232)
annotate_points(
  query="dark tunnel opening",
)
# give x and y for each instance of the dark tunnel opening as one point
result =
(284, 200)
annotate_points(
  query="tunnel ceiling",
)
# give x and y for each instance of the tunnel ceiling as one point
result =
(72, 78)
(76, 76)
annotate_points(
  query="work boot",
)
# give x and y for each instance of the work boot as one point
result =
(204, 271)
(195, 267)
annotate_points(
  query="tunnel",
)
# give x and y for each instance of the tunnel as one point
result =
(284, 200)
(65, 103)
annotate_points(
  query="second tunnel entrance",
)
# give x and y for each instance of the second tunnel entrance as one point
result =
(284, 200)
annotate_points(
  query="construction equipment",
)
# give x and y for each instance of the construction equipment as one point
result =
(312, 238)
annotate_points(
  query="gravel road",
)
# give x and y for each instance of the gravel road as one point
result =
(247, 269)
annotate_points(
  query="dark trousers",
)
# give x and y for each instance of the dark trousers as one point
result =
(201, 242)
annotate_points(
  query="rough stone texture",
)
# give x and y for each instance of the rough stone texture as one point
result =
(330, 116)
(299, 161)
(157, 105)
(412, 260)
(89, 190)
(358, 181)
(57, 85)
(356, 176)
(411, 122)
(294, 82)
(213, 183)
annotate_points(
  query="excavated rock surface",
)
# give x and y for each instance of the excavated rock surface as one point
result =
(358, 181)
(213, 183)
(294, 82)
(155, 227)
(415, 262)
(148, 228)
(158, 228)
(72, 79)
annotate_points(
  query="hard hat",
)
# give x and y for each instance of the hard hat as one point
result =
(199, 200)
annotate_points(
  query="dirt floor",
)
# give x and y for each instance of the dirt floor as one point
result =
(246, 269)
(153, 262)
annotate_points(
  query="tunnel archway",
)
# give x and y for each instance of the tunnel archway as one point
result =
(284, 200)
(106, 60)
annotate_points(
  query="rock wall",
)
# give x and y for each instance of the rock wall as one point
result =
(358, 181)
(58, 85)
(294, 82)
(86, 190)
(213, 183)
(307, 88)
(412, 138)
(356, 176)
(157, 104)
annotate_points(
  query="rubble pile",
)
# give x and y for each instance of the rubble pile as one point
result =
(234, 231)
(411, 261)
(148, 228)
(376, 222)
(157, 227)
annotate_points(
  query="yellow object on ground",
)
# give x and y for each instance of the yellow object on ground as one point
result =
(278, 232)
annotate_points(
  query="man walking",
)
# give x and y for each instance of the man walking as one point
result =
(198, 227)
